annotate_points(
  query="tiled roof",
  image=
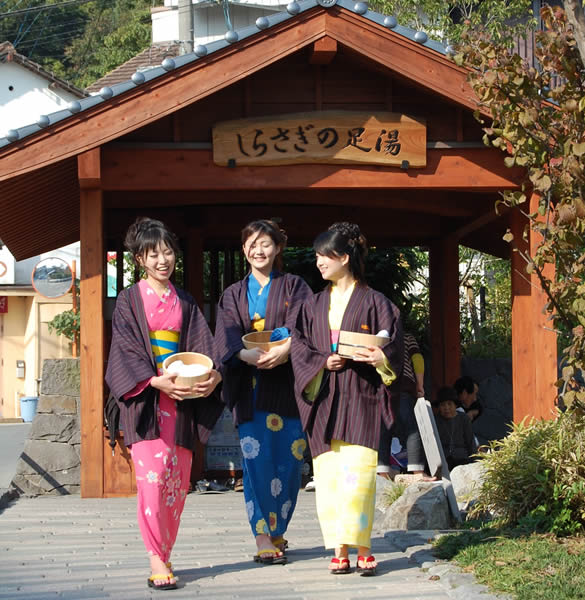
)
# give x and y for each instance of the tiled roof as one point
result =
(9, 54)
(151, 57)
(294, 8)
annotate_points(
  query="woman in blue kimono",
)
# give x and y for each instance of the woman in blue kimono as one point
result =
(259, 386)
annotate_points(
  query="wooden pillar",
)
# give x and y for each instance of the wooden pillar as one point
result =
(545, 339)
(92, 323)
(522, 319)
(444, 312)
(534, 344)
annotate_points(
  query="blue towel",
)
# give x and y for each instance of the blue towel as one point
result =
(280, 333)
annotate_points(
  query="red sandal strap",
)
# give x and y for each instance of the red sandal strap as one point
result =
(367, 559)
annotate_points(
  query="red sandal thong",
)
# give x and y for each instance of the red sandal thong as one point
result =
(339, 566)
(366, 571)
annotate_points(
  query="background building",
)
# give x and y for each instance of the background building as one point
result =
(25, 340)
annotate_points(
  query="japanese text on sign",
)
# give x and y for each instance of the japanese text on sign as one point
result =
(321, 137)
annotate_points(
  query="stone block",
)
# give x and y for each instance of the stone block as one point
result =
(467, 481)
(40, 485)
(61, 376)
(55, 428)
(57, 405)
(422, 506)
(40, 456)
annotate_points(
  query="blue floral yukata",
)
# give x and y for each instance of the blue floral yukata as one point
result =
(272, 448)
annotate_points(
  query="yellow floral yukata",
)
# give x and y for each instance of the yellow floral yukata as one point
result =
(345, 477)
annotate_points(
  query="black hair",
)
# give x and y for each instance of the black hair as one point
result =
(146, 234)
(270, 228)
(465, 384)
(445, 394)
(345, 238)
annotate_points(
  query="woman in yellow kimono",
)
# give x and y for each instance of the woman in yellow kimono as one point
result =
(342, 401)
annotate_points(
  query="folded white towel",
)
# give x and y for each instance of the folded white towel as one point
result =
(178, 367)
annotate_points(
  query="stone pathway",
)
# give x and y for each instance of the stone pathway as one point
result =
(73, 549)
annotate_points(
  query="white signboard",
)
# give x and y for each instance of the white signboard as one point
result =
(6, 267)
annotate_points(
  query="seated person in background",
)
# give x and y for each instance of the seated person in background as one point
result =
(454, 430)
(467, 389)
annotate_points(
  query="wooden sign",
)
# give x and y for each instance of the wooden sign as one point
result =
(329, 137)
(425, 419)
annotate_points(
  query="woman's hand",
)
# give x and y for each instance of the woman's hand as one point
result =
(277, 355)
(250, 357)
(372, 356)
(205, 388)
(166, 384)
(335, 362)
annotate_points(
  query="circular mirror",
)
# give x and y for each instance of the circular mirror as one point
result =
(52, 277)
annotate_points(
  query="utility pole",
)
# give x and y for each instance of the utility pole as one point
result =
(186, 25)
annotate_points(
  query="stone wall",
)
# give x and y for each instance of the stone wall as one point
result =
(50, 462)
(494, 377)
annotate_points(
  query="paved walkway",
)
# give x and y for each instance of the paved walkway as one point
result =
(12, 440)
(74, 549)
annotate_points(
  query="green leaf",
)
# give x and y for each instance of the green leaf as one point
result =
(568, 372)
(579, 149)
(543, 184)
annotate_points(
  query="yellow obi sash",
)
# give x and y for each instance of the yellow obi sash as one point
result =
(164, 343)
(258, 324)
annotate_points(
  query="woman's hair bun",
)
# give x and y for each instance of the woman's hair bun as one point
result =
(351, 231)
(145, 234)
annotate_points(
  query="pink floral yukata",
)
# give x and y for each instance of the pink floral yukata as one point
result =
(162, 468)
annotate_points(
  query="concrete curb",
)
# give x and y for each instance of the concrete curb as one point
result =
(459, 585)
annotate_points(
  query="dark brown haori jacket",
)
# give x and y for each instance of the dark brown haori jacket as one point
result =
(275, 388)
(352, 401)
(131, 361)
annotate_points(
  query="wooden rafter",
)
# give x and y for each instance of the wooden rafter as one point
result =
(324, 51)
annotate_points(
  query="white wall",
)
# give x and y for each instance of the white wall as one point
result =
(209, 20)
(165, 25)
(29, 97)
(20, 272)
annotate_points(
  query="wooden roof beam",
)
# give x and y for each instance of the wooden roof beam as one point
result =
(481, 221)
(469, 169)
(324, 51)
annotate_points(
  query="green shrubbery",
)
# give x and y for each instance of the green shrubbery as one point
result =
(535, 477)
(65, 323)
(392, 492)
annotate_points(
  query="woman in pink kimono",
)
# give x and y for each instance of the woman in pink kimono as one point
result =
(153, 320)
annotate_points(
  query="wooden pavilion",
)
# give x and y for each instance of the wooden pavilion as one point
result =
(145, 147)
